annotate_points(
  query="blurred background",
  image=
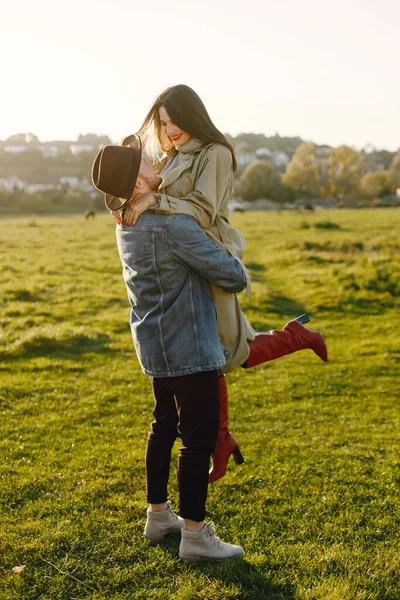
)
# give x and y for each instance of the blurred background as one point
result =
(308, 93)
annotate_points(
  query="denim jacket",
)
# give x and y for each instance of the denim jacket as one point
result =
(201, 186)
(167, 264)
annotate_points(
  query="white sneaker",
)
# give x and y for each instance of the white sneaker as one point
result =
(158, 524)
(205, 545)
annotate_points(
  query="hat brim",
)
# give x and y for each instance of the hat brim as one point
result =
(113, 202)
(133, 141)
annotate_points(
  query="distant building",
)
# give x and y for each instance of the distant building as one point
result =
(12, 183)
(15, 149)
(79, 148)
(70, 181)
(31, 188)
(49, 150)
(280, 159)
(86, 186)
(263, 153)
(244, 158)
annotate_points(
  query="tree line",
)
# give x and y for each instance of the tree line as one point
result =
(320, 172)
(312, 172)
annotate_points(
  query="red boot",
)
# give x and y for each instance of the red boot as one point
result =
(226, 443)
(293, 337)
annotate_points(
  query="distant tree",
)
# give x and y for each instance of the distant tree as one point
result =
(243, 147)
(22, 139)
(261, 179)
(345, 168)
(301, 173)
(393, 181)
(378, 160)
(273, 143)
(395, 164)
(91, 139)
(374, 185)
(254, 140)
(83, 164)
(97, 203)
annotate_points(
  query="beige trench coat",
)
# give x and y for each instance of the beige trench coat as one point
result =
(201, 187)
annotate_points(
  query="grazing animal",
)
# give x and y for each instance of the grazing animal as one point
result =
(90, 214)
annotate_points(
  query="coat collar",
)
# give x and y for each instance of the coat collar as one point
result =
(173, 175)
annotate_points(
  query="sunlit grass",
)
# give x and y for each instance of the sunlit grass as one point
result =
(316, 503)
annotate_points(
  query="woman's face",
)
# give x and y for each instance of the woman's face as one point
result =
(177, 136)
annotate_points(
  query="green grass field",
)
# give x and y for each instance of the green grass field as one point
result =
(316, 505)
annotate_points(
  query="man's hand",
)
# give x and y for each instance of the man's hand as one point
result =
(136, 206)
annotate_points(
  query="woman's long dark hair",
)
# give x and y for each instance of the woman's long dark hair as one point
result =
(187, 111)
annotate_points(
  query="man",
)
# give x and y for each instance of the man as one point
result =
(168, 263)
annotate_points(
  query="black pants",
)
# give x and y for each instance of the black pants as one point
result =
(185, 407)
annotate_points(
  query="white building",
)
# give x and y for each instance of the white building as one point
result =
(280, 159)
(15, 149)
(86, 185)
(12, 183)
(245, 158)
(49, 150)
(79, 148)
(70, 181)
(263, 153)
(31, 188)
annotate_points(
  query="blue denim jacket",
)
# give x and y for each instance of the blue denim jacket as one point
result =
(168, 261)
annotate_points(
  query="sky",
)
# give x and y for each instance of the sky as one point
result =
(324, 71)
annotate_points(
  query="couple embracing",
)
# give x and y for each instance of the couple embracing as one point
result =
(182, 266)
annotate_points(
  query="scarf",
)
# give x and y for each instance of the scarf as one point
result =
(181, 156)
(191, 146)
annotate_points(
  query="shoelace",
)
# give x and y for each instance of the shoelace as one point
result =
(171, 511)
(210, 530)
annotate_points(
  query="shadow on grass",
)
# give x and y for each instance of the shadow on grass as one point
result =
(254, 585)
(358, 306)
(283, 306)
(50, 369)
(275, 304)
(256, 271)
(287, 308)
(70, 346)
(23, 295)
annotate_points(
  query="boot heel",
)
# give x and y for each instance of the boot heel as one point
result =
(238, 456)
(302, 319)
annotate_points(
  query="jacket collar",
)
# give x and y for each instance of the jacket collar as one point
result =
(173, 175)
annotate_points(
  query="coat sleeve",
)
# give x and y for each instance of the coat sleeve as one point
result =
(209, 190)
(189, 244)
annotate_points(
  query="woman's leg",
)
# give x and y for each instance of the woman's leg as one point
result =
(264, 348)
(292, 338)
(226, 443)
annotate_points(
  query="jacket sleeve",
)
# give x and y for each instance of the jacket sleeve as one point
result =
(189, 244)
(203, 202)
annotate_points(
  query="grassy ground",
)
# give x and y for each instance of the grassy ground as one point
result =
(316, 504)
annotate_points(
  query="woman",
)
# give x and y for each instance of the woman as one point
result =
(197, 180)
